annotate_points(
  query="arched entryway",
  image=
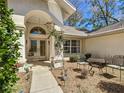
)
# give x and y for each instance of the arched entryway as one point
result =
(38, 46)
(37, 41)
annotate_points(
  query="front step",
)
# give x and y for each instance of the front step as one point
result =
(35, 59)
(39, 61)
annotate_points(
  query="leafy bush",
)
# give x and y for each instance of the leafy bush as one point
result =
(9, 49)
(74, 58)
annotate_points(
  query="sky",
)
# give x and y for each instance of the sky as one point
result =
(85, 10)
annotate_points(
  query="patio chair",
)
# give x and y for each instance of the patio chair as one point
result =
(108, 60)
(117, 63)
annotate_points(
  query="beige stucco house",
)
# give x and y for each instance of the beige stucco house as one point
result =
(34, 18)
(104, 42)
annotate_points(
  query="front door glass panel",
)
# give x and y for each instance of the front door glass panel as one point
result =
(42, 48)
(33, 49)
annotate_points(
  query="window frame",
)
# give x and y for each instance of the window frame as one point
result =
(78, 47)
(68, 46)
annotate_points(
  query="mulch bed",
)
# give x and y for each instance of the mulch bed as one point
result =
(92, 82)
(24, 82)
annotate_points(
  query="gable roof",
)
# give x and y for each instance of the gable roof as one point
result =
(68, 30)
(111, 29)
(114, 28)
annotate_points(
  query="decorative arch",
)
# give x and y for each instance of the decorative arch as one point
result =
(37, 17)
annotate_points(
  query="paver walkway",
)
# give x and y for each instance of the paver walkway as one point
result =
(43, 81)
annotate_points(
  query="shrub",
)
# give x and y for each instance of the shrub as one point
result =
(74, 58)
(9, 49)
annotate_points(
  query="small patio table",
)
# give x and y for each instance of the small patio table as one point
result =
(98, 65)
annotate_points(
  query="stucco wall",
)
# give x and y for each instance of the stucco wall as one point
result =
(22, 7)
(18, 20)
(105, 45)
(22, 58)
(55, 10)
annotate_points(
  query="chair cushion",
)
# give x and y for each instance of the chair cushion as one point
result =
(82, 63)
(115, 66)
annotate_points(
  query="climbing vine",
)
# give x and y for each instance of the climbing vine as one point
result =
(58, 36)
(9, 49)
(58, 39)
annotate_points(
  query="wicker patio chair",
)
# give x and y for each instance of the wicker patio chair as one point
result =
(117, 63)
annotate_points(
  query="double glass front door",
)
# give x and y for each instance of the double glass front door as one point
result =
(38, 48)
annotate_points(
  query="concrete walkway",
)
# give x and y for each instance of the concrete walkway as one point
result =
(43, 81)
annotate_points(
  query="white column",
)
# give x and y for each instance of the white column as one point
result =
(52, 47)
(60, 56)
(22, 58)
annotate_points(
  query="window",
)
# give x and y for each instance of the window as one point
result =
(75, 46)
(67, 46)
(37, 30)
(72, 46)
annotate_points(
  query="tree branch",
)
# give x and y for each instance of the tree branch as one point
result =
(100, 6)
